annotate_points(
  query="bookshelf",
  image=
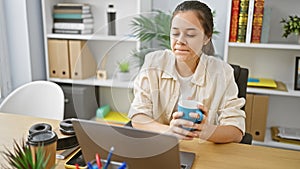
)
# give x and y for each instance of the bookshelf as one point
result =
(106, 49)
(273, 59)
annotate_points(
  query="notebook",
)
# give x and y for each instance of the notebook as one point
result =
(138, 148)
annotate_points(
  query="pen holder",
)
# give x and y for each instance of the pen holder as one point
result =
(112, 165)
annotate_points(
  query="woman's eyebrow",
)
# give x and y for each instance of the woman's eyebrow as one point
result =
(175, 28)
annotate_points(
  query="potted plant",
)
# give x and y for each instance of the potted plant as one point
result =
(291, 25)
(21, 157)
(123, 74)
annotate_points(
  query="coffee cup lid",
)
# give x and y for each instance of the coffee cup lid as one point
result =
(42, 138)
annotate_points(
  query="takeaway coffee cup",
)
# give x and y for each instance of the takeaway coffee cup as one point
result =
(46, 140)
(188, 106)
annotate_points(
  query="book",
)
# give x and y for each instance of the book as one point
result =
(71, 16)
(77, 26)
(84, 20)
(235, 8)
(72, 6)
(72, 31)
(257, 21)
(243, 19)
(265, 30)
(79, 11)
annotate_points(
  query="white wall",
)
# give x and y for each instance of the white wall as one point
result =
(220, 6)
(25, 45)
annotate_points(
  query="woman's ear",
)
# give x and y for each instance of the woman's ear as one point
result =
(206, 40)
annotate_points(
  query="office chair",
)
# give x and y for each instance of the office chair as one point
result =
(38, 98)
(241, 79)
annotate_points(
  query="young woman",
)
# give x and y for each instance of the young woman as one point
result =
(188, 71)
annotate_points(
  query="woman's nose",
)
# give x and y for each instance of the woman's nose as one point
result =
(181, 40)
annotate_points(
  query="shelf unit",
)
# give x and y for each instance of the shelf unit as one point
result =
(104, 47)
(107, 50)
(276, 60)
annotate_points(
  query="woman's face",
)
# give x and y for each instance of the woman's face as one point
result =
(187, 36)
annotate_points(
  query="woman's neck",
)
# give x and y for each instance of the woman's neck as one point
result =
(187, 68)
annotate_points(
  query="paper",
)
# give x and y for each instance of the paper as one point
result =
(289, 133)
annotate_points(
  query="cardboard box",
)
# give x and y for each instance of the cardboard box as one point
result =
(82, 62)
(58, 57)
(256, 115)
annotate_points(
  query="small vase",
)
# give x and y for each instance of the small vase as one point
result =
(123, 76)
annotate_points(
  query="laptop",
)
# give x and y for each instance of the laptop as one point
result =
(138, 148)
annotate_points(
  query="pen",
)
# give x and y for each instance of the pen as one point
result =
(98, 160)
(123, 166)
(77, 166)
(109, 157)
(90, 166)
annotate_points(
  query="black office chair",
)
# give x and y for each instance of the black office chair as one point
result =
(241, 78)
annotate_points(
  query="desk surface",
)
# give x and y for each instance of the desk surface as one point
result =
(208, 155)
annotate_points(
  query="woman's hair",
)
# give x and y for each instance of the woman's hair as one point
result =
(205, 17)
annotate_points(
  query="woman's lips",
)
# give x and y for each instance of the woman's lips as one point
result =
(181, 51)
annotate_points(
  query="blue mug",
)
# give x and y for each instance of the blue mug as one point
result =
(188, 106)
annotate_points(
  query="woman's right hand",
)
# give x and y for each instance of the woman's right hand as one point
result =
(176, 125)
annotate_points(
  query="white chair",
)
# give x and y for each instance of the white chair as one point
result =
(38, 98)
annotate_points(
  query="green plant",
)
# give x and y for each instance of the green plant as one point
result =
(21, 157)
(156, 26)
(291, 25)
(123, 66)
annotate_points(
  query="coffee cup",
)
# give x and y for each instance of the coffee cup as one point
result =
(189, 106)
(46, 141)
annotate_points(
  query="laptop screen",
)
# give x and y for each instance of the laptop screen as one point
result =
(138, 148)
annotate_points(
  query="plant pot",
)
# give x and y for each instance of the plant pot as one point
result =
(123, 76)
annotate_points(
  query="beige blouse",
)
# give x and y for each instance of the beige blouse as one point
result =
(157, 89)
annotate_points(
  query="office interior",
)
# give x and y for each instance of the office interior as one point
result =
(23, 41)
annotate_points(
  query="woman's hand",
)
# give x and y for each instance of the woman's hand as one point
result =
(176, 125)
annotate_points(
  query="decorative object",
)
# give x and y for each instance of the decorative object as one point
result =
(291, 25)
(22, 157)
(297, 73)
(123, 74)
(101, 75)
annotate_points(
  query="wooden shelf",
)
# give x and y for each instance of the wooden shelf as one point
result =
(270, 143)
(93, 81)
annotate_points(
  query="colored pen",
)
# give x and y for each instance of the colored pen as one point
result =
(98, 160)
(123, 166)
(109, 157)
(90, 166)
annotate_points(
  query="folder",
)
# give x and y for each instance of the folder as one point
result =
(256, 115)
(261, 82)
(58, 58)
(82, 62)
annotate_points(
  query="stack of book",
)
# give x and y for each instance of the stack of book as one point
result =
(250, 21)
(72, 18)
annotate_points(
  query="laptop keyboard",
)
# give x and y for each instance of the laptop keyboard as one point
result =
(183, 166)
